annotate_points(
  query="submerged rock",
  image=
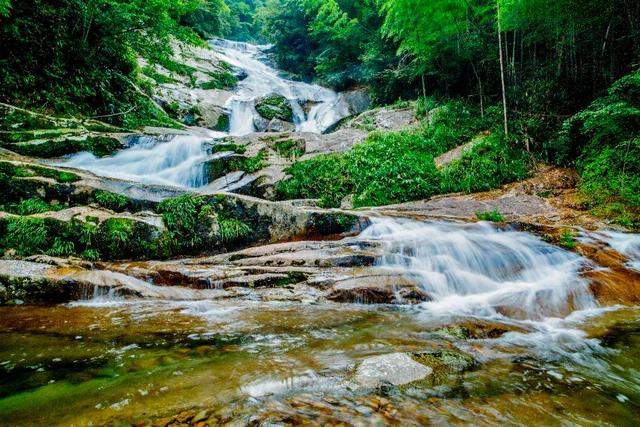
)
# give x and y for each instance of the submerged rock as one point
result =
(395, 368)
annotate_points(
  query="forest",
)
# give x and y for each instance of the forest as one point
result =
(555, 81)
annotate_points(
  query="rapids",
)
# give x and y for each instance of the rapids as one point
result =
(561, 358)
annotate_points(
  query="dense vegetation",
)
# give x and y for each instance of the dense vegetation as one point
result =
(79, 57)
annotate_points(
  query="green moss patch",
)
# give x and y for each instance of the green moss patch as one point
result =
(275, 107)
(98, 145)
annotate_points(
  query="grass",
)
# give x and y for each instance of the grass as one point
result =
(33, 206)
(111, 201)
(396, 167)
(492, 216)
(290, 148)
(567, 239)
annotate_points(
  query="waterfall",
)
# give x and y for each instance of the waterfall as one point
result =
(180, 162)
(263, 80)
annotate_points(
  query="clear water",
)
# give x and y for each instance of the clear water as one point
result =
(565, 359)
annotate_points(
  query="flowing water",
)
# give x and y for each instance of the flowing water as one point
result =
(559, 359)
(180, 162)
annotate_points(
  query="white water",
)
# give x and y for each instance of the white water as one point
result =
(180, 162)
(264, 80)
(477, 269)
(480, 271)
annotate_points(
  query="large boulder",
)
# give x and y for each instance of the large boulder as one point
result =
(274, 106)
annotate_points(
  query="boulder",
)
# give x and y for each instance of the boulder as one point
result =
(274, 106)
(395, 368)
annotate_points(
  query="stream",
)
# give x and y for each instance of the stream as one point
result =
(545, 350)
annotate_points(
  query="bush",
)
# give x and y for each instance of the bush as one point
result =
(33, 206)
(492, 216)
(111, 201)
(488, 165)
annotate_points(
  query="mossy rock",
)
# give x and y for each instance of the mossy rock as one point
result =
(275, 107)
(98, 145)
(220, 80)
(223, 124)
(446, 361)
(222, 166)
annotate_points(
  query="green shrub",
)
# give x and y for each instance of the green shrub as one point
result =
(493, 216)
(26, 235)
(488, 165)
(188, 219)
(324, 177)
(233, 230)
(33, 206)
(289, 148)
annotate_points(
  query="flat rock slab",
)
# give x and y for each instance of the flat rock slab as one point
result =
(394, 368)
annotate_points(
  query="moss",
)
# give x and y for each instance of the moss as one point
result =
(290, 148)
(223, 124)
(221, 80)
(327, 223)
(275, 107)
(446, 361)
(236, 148)
(222, 166)
(24, 136)
(98, 145)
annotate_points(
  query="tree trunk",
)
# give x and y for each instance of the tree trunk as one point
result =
(504, 94)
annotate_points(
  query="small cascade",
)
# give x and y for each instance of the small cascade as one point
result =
(179, 162)
(480, 270)
(326, 108)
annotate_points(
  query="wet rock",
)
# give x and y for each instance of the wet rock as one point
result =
(377, 288)
(395, 368)
(449, 361)
(357, 100)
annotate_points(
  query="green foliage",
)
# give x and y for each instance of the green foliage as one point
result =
(488, 165)
(249, 164)
(233, 230)
(158, 77)
(221, 80)
(289, 148)
(98, 145)
(602, 142)
(26, 235)
(567, 239)
(78, 57)
(32, 206)
(395, 167)
(324, 177)
(112, 201)
(492, 216)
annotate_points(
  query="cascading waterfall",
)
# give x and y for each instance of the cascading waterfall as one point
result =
(180, 162)
(263, 80)
(479, 270)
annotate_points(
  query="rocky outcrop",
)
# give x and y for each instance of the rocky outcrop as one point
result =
(274, 106)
